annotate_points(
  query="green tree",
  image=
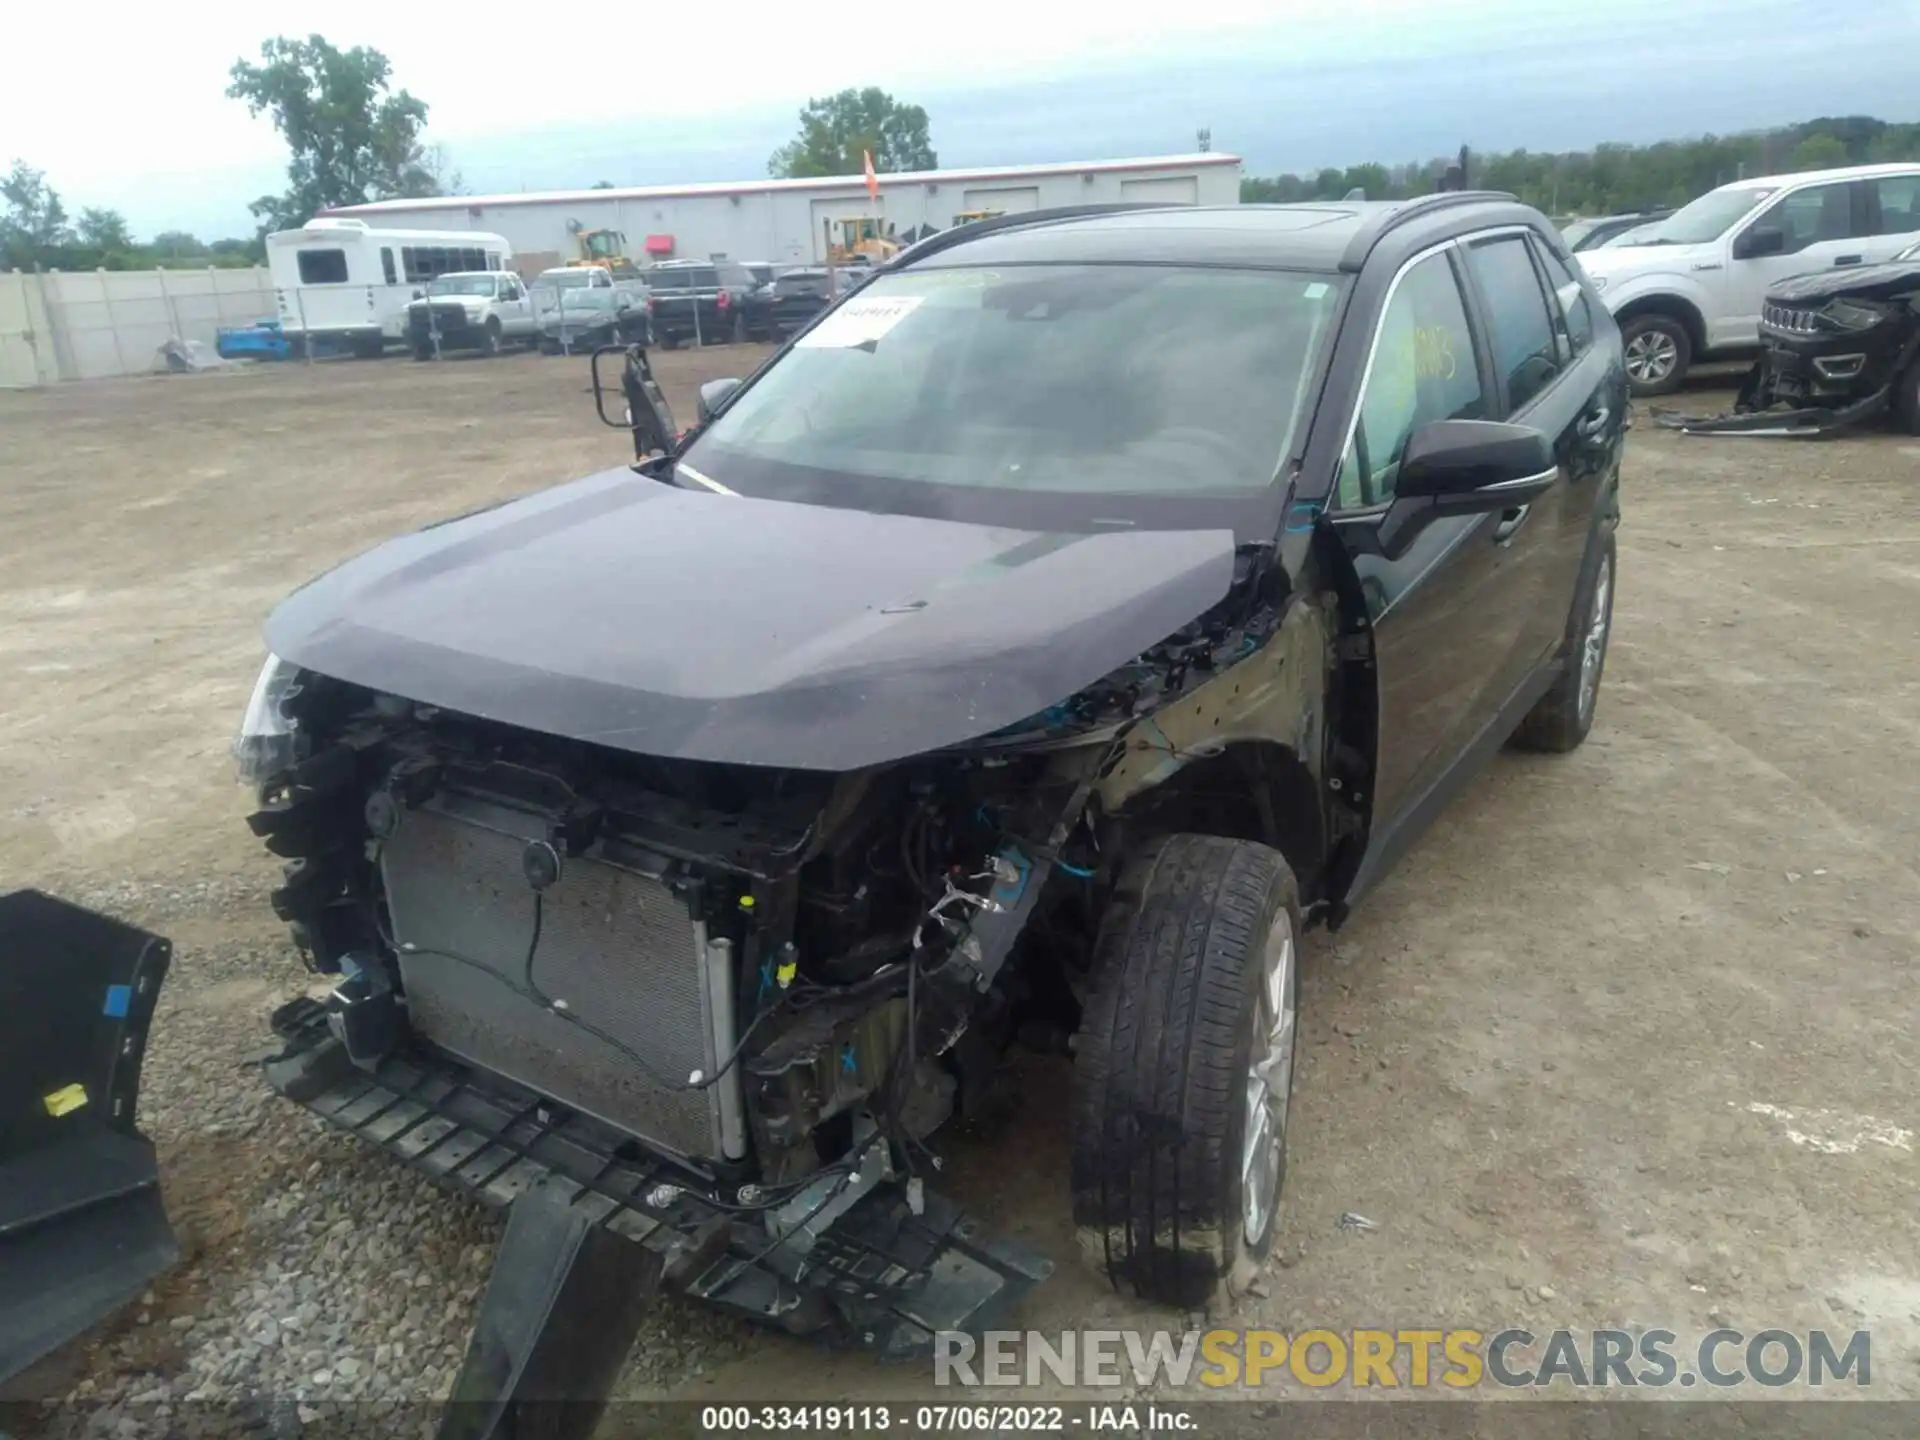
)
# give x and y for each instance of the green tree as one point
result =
(104, 230)
(1819, 152)
(1612, 178)
(351, 137)
(35, 222)
(601, 185)
(177, 245)
(835, 133)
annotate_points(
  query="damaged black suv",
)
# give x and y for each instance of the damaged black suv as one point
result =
(1026, 653)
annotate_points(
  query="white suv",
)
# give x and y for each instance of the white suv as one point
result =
(1692, 286)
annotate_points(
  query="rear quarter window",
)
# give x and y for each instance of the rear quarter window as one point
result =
(1522, 338)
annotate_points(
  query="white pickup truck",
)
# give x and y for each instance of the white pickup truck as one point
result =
(471, 309)
(1691, 287)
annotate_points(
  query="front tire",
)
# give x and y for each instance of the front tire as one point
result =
(1659, 352)
(1184, 1069)
(494, 340)
(1564, 715)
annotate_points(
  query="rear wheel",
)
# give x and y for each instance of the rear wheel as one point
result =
(1564, 715)
(1184, 1069)
(422, 351)
(1658, 352)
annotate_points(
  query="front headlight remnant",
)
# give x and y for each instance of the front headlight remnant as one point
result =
(268, 741)
(1854, 314)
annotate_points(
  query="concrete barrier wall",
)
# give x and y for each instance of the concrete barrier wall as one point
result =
(113, 322)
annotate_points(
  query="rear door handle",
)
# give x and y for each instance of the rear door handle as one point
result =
(1593, 423)
(1510, 522)
(1849, 259)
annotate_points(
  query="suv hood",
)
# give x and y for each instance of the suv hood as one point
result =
(691, 625)
(1865, 282)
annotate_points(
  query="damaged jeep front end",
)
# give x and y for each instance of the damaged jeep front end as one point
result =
(1838, 348)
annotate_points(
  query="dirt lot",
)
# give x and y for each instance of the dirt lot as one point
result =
(1630, 1038)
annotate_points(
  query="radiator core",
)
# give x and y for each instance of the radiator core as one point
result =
(617, 949)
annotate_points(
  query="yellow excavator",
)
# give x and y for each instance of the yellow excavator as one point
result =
(607, 249)
(859, 235)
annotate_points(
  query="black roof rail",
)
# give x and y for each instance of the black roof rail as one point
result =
(1377, 227)
(973, 229)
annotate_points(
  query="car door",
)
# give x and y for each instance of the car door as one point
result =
(1540, 383)
(1893, 215)
(1821, 226)
(511, 305)
(1441, 641)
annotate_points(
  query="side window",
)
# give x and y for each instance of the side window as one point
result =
(386, 264)
(1422, 370)
(1899, 207)
(323, 267)
(1806, 217)
(1521, 330)
(1572, 300)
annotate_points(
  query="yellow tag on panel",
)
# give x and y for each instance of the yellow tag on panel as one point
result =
(65, 1100)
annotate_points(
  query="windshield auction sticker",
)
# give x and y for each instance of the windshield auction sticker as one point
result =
(860, 321)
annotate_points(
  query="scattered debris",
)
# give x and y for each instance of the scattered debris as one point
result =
(1832, 1132)
(182, 357)
(1711, 867)
(1354, 1220)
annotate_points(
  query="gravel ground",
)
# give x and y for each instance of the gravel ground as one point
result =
(322, 1282)
(1574, 1056)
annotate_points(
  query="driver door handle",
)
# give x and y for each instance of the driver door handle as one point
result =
(1849, 259)
(1511, 520)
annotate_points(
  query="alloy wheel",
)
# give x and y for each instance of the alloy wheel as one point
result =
(1269, 1084)
(1651, 357)
(1593, 645)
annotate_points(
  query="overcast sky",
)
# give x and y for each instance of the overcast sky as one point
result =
(142, 123)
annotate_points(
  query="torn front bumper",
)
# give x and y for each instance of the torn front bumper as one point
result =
(82, 1227)
(878, 1276)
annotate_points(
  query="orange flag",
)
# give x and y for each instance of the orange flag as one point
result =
(873, 181)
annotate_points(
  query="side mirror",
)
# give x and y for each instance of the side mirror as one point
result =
(1464, 467)
(713, 395)
(1760, 240)
(419, 294)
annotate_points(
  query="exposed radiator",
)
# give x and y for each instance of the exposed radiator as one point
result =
(616, 947)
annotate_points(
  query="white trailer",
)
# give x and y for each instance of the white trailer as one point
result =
(339, 279)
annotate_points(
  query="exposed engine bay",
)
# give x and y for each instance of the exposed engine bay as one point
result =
(777, 982)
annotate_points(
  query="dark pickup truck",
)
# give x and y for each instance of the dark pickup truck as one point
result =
(697, 301)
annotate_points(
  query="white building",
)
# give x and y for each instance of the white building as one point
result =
(783, 222)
